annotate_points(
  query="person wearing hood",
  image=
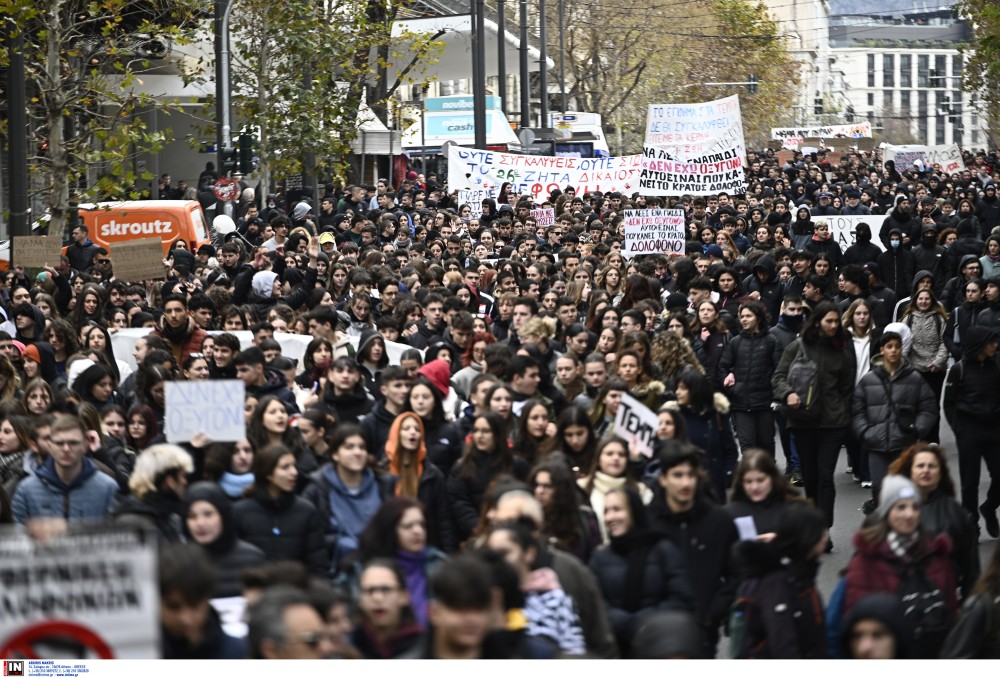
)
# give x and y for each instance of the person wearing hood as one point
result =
(875, 629)
(802, 228)
(900, 217)
(346, 493)
(490, 213)
(784, 616)
(893, 554)
(414, 476)
(29, 322)
(271, 517)
(971, 404)
(963, 316)
(862, 251)
(210, 523)
(372, 359)
(896, 264)
(988, 210)
(345, 396)
(703, 532)
(968, 242)
(667, 634)
(764, 286)
(893, 408)
(929, 256)
(263, 288)
(68, 484)
(639, 571)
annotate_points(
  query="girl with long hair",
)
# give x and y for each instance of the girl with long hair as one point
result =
(486, 455)
(610, 471)
(760, 492)
(534, 437)
(570, 523)
(928, 354)
(576, 439)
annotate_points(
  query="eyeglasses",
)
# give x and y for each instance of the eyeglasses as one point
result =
(312, 639)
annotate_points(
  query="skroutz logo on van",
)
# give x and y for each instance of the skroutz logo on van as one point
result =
(13, 667)
(120, 227)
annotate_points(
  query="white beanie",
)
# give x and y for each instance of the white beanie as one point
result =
(895, 489)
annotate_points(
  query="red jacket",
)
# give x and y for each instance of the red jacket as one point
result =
(875, 568)
(192, 342)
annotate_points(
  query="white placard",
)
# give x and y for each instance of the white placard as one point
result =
(653, 231)
(212, 408)
(948, 156)
(637, 424)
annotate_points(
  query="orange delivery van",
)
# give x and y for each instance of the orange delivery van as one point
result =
(116, 222)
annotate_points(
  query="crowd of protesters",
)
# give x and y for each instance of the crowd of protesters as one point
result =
(469, 495)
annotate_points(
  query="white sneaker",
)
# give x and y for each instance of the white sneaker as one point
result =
(866, 483)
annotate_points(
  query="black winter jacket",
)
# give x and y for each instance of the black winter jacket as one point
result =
(433, 494)
(752, 358)
(286, 528)
(466, 496)
(876, 423)
(665, 585)
(836, 381)
(942, 514)
(784, 619)
(972, 395)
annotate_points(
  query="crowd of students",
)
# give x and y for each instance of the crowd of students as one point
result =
(440, 474)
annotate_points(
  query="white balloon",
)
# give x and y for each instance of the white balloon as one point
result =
(224, 224)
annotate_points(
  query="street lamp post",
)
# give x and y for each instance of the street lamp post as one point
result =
(223, 119)
(523, 58)
(502, 54)
(562, 53)
(543, 71)
(479, 75)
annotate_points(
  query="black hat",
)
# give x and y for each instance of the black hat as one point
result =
(207, 249)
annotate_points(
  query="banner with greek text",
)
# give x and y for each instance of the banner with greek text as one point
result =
(791, 137)
(694, 149)
(949, 157)
(538, 175)
(653, 232)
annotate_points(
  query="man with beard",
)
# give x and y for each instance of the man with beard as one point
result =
(179, 330)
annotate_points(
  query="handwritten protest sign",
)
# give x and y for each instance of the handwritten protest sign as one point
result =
(637, 424)
(35, 251)
(653, 232)
(793, 137)
(694, 149)
(138, 260)
(948, 156)
(842, 229)
(91, 593)
(544, 217)
(473, 197)
(212, 408)
(539, 175)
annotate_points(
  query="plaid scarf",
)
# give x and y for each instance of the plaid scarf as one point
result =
(901, 545)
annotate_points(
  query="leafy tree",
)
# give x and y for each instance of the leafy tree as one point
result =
(82, 60)
(982, 68)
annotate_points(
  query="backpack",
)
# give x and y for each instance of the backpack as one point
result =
(803, 377)
(925, 609)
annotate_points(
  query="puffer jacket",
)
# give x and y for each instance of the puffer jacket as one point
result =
(928, 348)
(836, 380)
(284, 528)
(752, 358)
(712, 431)
(876, 422)
(772, 291)
(90, 496)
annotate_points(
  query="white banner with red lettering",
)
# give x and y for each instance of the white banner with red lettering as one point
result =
(539, 175)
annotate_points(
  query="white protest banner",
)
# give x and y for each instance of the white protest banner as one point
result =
(949, 157)
(211, 408)
(791, 137)
(544, 216)
(653, 232)
(637, 424)
(92, 594)
(842, 228)
(539, 175)
(694, 149)
(473, 197)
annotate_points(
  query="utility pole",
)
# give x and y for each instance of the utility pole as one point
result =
(523, 58)
(562, 53)
(223, 115)
(502, 54)
(543, 65)
(479, 75)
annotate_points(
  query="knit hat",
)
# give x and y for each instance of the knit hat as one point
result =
(714, 251)
(676, 301)
(263, 283)
(895, 489)
(438, 372)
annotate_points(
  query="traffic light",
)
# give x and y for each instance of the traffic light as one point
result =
(246, 146)
(229, 160)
